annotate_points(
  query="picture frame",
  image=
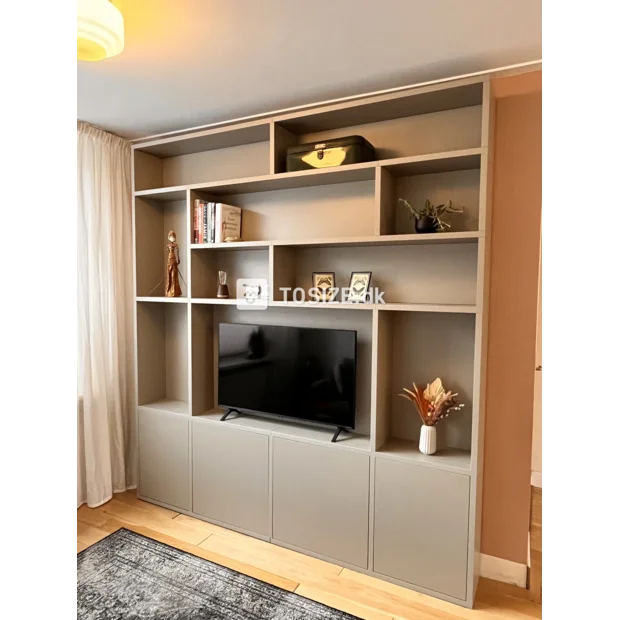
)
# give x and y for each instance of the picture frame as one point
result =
(325, 282)
(359, 285)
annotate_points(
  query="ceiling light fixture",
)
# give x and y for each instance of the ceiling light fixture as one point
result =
(100, 30)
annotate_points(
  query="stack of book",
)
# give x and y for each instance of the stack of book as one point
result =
(214, 222)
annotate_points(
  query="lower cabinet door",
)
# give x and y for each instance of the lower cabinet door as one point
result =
(320, 500)
(164, 457)
(231, 476)
(421, 526)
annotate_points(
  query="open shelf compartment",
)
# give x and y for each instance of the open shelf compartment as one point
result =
(250, 263)
(205, 329)
(154, 219)
(345, 209)
(458, 181)
(163, 356)
(208, 155)
(419, 347)
(411, 274)
(397, 125)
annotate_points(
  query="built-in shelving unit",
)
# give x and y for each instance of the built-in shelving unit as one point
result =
(288, 483)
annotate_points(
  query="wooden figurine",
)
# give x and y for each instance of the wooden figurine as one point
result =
(173, 289)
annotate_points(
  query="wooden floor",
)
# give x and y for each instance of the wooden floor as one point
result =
(321, 581)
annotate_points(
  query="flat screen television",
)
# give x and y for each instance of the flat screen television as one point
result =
(299, 373)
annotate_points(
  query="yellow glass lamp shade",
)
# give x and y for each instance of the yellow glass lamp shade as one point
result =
(100, 30)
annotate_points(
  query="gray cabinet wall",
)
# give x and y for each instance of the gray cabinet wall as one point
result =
(313, 497)
(320, 500)
(231, 476)
(163, 441)
(421, 524)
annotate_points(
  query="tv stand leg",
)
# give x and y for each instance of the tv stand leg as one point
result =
(339, 430)
(229, 412)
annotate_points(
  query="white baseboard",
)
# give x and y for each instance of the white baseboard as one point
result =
(503, 570)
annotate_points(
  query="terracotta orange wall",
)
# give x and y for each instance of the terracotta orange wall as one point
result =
(515, 250)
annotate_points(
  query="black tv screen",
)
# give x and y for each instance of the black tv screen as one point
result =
(296, 372)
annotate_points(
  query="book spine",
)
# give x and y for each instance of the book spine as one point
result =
(200, 212)
(195, 223)
(218, 223)
(208, 231)
(205, 222)
(213, 216)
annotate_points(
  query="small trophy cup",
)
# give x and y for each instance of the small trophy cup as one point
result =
(222, 289)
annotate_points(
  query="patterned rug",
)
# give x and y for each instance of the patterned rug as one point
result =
(127, 576)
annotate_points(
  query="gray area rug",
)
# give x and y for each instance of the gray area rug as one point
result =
(127, 575)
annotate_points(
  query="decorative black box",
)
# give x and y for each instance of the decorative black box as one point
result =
(329, 153)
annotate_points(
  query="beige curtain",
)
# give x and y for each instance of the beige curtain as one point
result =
(106, 451)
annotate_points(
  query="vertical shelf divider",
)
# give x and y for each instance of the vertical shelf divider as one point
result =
(381, 373)
(279, 139)
(384, 201)
(481, 337)
(188, 277)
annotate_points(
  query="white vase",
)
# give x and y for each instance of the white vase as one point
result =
(428, 439)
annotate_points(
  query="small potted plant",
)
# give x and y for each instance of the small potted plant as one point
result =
(433, 404)
(430, 218)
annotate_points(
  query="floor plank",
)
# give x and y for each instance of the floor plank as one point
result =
(89, 535)
(91, 516)
(355, 593)
(185, 532)
(341, 603)
(129, 498)
(386, 597)
(271, 558)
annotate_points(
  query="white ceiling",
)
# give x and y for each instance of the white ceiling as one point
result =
(192, 62)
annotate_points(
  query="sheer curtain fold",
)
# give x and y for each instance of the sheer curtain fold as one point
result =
(106, 397)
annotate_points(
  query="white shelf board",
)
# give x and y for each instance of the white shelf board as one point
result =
(211, 139)
(322, 305)
(406, 239)
(421, 100)
(448, 459)
(169, 406)
(163, 194)
(214, 301)
(447, 161)
(233, 245)
(288, 430)
(407, 307)
(372, 240)
(163, 300)
(399, 307)
(290, 180)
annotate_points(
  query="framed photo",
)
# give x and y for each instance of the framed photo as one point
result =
(325, 284)
(359, 285)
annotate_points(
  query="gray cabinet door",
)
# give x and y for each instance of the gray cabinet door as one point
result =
(421, 524)
(231, 476)
(320, 500)
(164, 457)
